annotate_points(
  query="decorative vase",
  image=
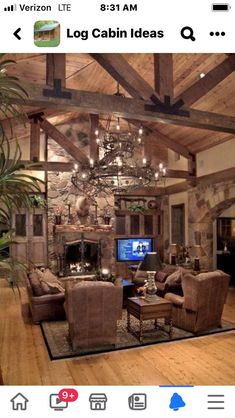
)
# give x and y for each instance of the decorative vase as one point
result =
(151, 287)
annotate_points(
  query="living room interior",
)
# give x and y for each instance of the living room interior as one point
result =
(135, 209)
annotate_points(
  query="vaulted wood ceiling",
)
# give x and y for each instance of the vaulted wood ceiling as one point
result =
(83, 72)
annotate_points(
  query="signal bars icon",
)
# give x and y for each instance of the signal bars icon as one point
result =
(11, 8)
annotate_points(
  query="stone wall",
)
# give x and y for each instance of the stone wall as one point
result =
(205, 204)
(60, 194)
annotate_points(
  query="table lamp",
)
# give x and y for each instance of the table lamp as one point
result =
(197, 252)
(151, 264)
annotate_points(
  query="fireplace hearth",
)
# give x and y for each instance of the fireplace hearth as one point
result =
(81, 256)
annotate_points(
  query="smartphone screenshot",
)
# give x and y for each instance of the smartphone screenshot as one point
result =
(117, 208)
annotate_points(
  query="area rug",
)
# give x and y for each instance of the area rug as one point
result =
(58, 343)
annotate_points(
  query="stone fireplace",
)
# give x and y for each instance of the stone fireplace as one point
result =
(80, 249)
(81, 256)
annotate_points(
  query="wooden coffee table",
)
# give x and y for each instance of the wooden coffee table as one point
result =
(144, 309)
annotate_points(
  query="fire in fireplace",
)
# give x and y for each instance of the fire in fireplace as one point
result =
(81, 256)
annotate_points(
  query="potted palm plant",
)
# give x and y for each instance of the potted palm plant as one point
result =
(15, 185)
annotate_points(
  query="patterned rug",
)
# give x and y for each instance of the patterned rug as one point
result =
(58, 343)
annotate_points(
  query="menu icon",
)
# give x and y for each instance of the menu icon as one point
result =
(215, 401)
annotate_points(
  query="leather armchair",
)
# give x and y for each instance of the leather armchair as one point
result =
(45, 307)
(92, 310)
(201, 306)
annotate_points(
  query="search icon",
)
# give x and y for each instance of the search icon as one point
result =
(187, 33)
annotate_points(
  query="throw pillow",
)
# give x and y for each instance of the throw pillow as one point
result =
(169, 269)
(161, 276)
(35, 284)
(174, 278)
(49, 277)
(51, 288)
(45, 288)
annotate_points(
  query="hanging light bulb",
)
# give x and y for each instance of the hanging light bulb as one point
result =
(118, 125)
(141, 131)
(75, 167)
(144, 161)
(96, 132)
(139, 140)
(164, 171)
(97, 140)
(160, 166)
(91, 162)
(156, 175)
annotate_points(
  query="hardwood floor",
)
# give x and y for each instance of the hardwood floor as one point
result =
(24, 359)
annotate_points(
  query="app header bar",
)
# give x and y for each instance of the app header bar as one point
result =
(120, 26)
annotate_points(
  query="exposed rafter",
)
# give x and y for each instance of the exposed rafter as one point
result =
(126, 76)
(63, 141)
(55, 68)
(163, 75)
(207, 83)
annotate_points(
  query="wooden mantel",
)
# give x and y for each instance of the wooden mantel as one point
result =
(64, 229)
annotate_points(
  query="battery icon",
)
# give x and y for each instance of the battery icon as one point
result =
(220, 7)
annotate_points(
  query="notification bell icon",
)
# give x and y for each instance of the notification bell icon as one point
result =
(176, 402)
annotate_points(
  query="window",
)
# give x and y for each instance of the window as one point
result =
(20, 226)
(178, 224)
(37, 225)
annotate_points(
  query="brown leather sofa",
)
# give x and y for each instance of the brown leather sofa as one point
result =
(167, 280)
(92, 310)
(201, 306)
(45, 307)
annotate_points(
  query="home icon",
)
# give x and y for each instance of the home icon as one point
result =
(98, 401)
(19, 402)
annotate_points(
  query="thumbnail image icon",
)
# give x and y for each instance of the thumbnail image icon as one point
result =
(46, 33)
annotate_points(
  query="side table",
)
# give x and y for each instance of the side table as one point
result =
(144, 309)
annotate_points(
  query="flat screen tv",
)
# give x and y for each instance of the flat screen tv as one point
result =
(133, 249)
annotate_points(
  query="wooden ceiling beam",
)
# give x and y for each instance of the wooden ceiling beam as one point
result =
(126, 75)
(171, 144)
(49, 166)
(208, 82)
(91, 102)
(177, 188)
(164, 140)
(163, 75)
(55, 69)
(34, 140)
(217, 177)
(63, 141)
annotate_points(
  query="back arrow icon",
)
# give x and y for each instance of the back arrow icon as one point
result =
(16, 33)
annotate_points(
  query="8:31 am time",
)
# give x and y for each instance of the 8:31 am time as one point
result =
(119, 7)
